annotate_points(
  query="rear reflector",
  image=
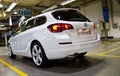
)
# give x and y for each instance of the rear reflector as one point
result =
(59, 27)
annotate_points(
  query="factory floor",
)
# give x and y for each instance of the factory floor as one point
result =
(104, 61)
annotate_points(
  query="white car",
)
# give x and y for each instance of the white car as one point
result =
(54, 35)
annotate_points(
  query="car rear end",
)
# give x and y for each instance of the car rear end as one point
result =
(71, 33)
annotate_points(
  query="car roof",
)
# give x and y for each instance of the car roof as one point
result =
(49, 12)
(63, 9)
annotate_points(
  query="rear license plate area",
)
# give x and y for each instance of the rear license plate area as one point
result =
(84, 32)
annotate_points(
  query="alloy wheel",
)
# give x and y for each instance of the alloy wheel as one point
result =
(37, 55)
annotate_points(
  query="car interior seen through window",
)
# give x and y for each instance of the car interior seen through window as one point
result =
(40, 20)
(29, 24)
(35, 22)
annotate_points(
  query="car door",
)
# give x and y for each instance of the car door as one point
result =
(22, 39)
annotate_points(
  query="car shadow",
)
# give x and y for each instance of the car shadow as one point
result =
(64, 66)
(69, 65)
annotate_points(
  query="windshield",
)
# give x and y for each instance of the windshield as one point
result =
(69, 15)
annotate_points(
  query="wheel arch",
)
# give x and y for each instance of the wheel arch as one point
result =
(36, 41)
(32, 43)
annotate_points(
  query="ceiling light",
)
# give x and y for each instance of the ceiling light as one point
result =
(1, 25)
(67, 2)
(1, 5)
(50, 8)
(10, 8)
(4, 14)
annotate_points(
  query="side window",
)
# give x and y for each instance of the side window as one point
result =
(40, 20)
(20, 28)
(32, 23)
(29, 24)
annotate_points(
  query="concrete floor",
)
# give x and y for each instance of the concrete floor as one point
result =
(104, 61)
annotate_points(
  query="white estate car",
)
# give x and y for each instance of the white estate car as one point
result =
(54, 35)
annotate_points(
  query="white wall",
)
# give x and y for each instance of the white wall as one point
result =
(116, 18)
(94, 12)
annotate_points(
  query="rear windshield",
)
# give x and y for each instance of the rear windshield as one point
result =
(69, 15)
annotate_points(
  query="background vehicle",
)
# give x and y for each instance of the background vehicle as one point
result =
(54, 35)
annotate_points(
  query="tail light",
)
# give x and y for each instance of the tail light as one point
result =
(94, 26)
(59, 27)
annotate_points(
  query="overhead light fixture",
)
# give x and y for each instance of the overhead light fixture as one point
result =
(10, 8)
(4, 14)
(67, 2)
(1, 5)
(1, 25)
(49, 9)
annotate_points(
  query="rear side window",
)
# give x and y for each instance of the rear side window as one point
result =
(69, 15)
(35, 22)
(40, 20)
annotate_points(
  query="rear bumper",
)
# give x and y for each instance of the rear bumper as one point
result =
(69, 49)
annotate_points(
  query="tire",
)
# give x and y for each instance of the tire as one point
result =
(81, 55)
(38, 55)
(10, 53)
